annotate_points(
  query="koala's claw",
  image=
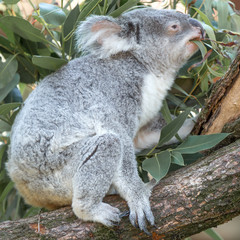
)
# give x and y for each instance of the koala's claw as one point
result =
(124, 214)
(146, 231)
(139, 216)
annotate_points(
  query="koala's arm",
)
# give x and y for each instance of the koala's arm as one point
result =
(148, 136)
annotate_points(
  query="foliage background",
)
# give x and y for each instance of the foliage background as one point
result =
(34, 46)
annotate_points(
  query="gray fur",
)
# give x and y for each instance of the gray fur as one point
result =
(73, 138)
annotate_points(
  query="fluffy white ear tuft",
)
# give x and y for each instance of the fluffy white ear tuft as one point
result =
(99, 35)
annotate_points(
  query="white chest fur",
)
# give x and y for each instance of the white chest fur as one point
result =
(153, 93)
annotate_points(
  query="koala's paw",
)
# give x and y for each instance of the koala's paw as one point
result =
(102, 213)
(106, 215)
(140, 211)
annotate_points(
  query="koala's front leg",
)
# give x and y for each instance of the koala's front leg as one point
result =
(130, 186)
(99, 158)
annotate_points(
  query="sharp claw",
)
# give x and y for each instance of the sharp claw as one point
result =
(155, 226)
(146, 231)
(124, 214)
(134, 223)
(116, 224)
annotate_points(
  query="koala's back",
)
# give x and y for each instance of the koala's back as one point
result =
(69, 105)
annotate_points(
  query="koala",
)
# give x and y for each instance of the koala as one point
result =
(74, 136)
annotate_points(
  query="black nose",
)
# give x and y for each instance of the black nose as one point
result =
(197, 24)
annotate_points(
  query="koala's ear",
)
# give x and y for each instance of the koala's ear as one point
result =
(100, 35)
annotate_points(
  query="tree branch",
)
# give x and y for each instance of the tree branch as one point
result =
(202, 195)
(223, 105)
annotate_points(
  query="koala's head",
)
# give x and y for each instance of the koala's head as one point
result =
(153, 36)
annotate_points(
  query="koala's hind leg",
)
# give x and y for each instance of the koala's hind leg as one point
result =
(130, 186)
(100, 158)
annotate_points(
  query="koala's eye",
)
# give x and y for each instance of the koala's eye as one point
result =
(174, 28)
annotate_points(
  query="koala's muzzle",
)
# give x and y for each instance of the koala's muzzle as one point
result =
(197, 24)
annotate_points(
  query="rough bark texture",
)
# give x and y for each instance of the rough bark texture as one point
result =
(223, 105)
(202, 195)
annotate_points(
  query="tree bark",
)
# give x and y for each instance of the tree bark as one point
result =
(223, 105)
(190, 200)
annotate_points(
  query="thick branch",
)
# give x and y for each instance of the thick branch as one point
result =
(202, 195)
(223, 105)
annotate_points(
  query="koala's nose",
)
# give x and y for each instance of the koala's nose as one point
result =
(197, 24)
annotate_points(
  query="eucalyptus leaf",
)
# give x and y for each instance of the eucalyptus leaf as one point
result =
(177, 158)
(6, 191)
(3, 148)
(68, 29)
(222, 8)
(49, 63)
(215, 73)
(11, 1)
(210, 32)
(9, 33)
(7, 70)
(175, 100)
(172, 128)
(213, 234)
(6, 43)
(52, 14)
(23, 28)
(26, 70)
(88, 9)
(6, 108)
(13, 96)
(4, 126)
(201, 46)
(194, 144)
(129, 4)
(166, 112)
(4, 91)
(204, 18)
(159, 165)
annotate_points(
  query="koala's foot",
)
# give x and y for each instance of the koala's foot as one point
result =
(140, 211)
(102, 213)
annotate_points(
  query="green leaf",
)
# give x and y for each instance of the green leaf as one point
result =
(158, 166)
(4, 91)
(3, 148)
(178, 102)
(194, 144)
(213, 234)
(6, 191)
(52, 14)
(68, 30)
(6, 44)
(26, 70)
(210, 32)
(11, 1)
(166, 112)
(204, 18)
(6, 108)
(217, 74)
(8, 70)
(235, 22)
(129, 4)
(222, 8)
(201, 46)
(177, 158)
(88, 9)
(4, 126)
(23, 28)
(172, 128)
(50, 63)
